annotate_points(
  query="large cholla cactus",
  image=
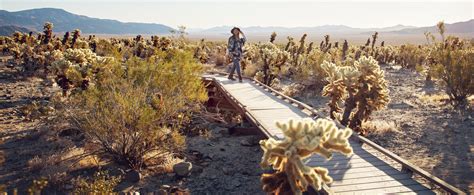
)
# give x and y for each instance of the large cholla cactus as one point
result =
(272, 58)
(48, 32)
(362, 87)
(303, 138)
(74, 68)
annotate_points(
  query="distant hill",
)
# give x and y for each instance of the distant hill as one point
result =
(325, 29)
(65, 21)
(458, 27)
(9, 30)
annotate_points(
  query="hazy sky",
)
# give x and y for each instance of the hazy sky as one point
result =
(205, 13)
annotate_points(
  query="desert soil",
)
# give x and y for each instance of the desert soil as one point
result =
(31, 148)
(421, 128)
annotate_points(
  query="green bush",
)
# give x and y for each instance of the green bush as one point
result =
(454, 65)
(134, 110)
(100, 183)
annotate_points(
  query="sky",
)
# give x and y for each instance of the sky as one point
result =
(244, 13)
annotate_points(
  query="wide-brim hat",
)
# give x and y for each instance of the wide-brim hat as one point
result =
(234, 29)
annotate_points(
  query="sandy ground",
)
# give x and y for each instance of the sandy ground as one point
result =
(422, 129)
(222, 163)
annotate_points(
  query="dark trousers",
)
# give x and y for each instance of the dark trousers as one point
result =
(235, 66)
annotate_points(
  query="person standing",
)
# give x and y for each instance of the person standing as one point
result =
(234, 51)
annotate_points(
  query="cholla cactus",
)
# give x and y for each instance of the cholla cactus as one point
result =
(273, 37)
(441, 29)
(76, 34)
(302, 139)
(272, 58)
(374, 38)
(325, 46)
(201, 52)
(362, 87)
(345, 48)
(48, 32)
(75, 67)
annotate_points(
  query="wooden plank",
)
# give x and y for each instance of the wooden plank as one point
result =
(448, 187)
(378, 185)
(348, 165)
(388, 188)
(380, 178)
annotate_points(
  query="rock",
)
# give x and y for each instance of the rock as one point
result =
(197, 169)
(245, 142)
(406, 125)
(403, 105)
(69, 132)
(445, 124)
(250, 141)
(220, 130)
(162, 192)
(165, 187)
(68, 187)
(226, 171)
(133, 176)
(182, 169)
(235, 183)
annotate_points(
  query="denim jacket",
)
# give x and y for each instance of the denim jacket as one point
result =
(235, 47)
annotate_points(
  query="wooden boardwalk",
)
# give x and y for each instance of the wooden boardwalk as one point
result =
(370, 170)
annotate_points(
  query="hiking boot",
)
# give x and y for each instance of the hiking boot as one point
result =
(231, 78)
(240, 80)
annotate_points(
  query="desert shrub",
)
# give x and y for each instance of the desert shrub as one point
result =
(100, 183)
(409, 56)
(301, 140)
(454, 65)
(309, 72)
(134, 111)
(362, 88)
(105, 48)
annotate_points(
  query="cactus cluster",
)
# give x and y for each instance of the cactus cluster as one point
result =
(362, 88)
(74, 67)
(302, 139)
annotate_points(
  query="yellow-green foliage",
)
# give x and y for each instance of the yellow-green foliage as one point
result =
(409, 56)
(100, 183)
(136, 111)
(302, 138)
(37, 186)
(309, 71)
(454, 65)
(362, 88)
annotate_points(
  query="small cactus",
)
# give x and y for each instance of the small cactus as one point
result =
(302, 139)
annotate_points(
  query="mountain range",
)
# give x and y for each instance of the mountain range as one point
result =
(459, 27)
(63, 21)
(34, 19)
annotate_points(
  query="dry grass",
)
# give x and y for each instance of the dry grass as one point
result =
(433, 98)
(165, 165)
(440, 98)
(379, 127)
(250, 70)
